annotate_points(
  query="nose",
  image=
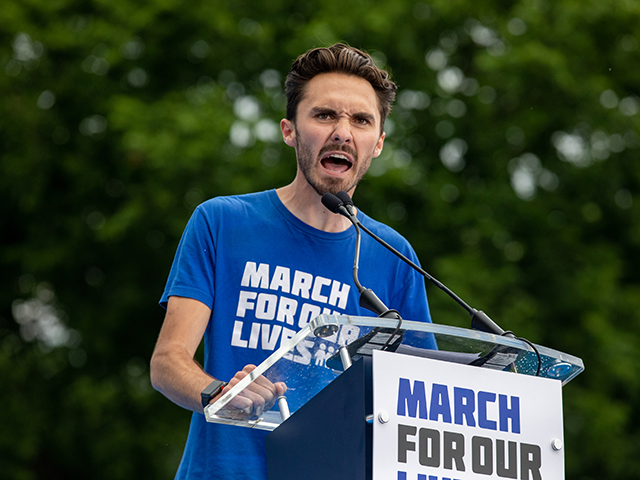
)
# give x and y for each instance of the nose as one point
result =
(342, 132)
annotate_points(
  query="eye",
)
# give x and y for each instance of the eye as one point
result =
(324, 115)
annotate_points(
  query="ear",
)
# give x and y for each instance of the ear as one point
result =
(378, 150)
(288, 132)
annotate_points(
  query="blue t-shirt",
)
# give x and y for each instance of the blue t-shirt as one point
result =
(265, 274)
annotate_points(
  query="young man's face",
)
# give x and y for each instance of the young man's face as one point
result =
(336, 132)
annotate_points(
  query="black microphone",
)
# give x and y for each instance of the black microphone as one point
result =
(479, 319)
(346, 199)
(332, 202)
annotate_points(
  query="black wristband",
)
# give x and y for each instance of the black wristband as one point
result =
(211, 391)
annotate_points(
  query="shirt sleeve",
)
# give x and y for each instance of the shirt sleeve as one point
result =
(193, 270)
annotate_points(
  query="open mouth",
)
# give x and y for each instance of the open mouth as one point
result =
(336, 162)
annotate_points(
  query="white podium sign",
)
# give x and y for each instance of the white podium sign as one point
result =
(435, 420)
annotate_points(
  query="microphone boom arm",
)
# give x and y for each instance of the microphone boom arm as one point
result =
(479, 320)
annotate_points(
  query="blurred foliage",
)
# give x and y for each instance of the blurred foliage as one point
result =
(510, 164)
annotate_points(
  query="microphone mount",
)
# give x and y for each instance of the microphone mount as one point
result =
(479, 320)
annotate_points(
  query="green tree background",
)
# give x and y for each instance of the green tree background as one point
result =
(511, 164)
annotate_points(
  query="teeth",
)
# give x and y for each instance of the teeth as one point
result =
(342, 157)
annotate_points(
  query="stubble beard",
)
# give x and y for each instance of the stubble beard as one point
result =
(306, 163)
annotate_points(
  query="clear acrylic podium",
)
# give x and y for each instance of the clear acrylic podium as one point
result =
(311, 361)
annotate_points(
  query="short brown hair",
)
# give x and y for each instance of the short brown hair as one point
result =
(338, 58)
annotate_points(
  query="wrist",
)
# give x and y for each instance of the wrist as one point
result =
(212, 390)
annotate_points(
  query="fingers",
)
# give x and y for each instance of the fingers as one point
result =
(258, 397)
(281, 388)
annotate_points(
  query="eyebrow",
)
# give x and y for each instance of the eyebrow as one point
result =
(317, 110)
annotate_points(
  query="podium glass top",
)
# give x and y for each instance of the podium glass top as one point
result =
(310, 361)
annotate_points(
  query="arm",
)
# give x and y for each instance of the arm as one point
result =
(175, 373)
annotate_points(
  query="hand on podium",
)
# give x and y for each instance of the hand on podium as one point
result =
(257, 398)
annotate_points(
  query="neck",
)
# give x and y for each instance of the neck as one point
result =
(304, 202)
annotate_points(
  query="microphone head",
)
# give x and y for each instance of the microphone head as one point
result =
(346, 199)
(331, 202)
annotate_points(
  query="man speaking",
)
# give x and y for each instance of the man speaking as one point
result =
(251, 270)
